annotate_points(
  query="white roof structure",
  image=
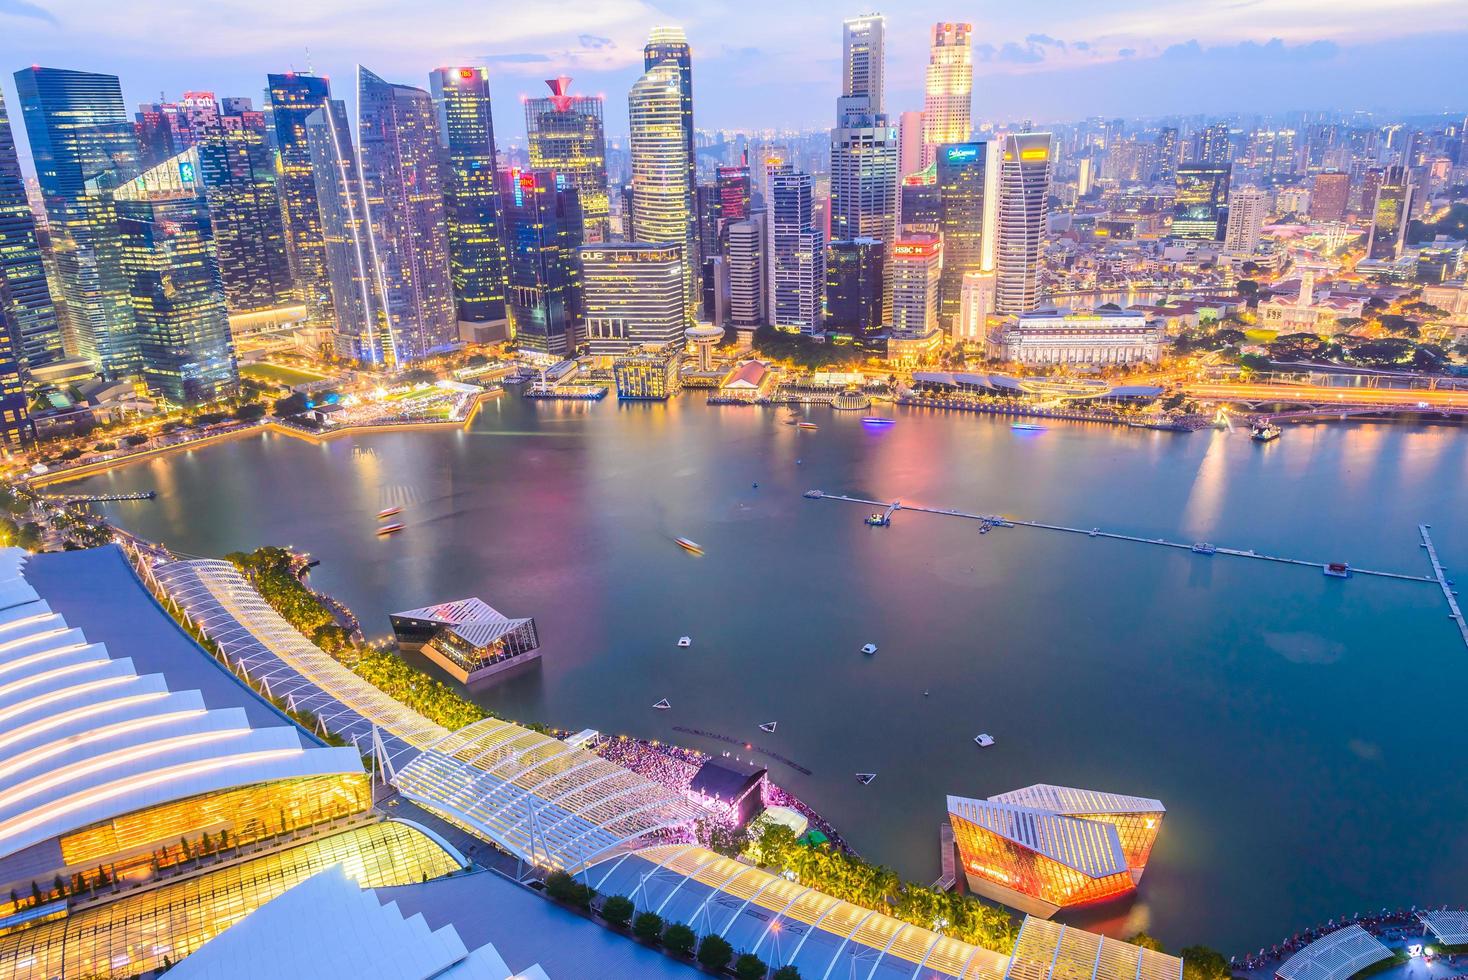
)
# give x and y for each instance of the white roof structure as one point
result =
(1073, 802)
(1090, 847)
(85, 738)
(541, 799)
(1335, 956)
(1450, 927)
(328, 927)
(259, 643)
(1048, 950)
(473, 619)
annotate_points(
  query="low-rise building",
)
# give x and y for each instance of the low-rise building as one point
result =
(468, 638)
(749, 382)
(648, 375)
(1070, 337)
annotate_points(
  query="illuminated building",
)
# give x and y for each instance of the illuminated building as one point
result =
(16, 428)
(1024, 183)
(1090, 337)
(702, 339)
(403, 182)
(1390, 214)
(1045, 848)
(168, 256)
(84, 149)
(565, 134)
(669, 46)
(1247, 209)
(468, 638)
(238, 168)
(733, 187)
(1050, 951)
(632, 296)
(28, 309)
(293, 99)
(796, 253)
(1167, 152)
(968, 195)
(1329, 194)
(909, 142)
(650, 375)
(662, 186)
(948, 95)
(975, 306)
(166, 129)
(863, 60)
(917, 269)
(855, 271)
(471, 193)
(920, 208)
(1200, 202)
(748, 271)
(542, 220)
(1212, 145)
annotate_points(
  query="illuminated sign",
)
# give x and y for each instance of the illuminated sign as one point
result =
(961, 153)
(623, 256)
(466, 72)
(1035, 153)
(915, 249)
(186, 171)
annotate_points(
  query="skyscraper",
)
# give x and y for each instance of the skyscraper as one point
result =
(855, 271)
(565, 134)
(632, 296)
(948, 96)
(1247, 209)
(1213, 145)
(237, 166)
(29, 313)
(177, 294)
(1329, 194)
(16, 428)
(668, 45)
(1165, 168)
(293, 98)
(165, 129)
(748, 271)
(1024, 183)
(84, 149)
(733, 195)
(471, 193)
(968, 206)
(542, 232)
(796, 254)
(401, 175)
(863, 60)
(662, 189)
(1200, 202)
(917, 269)
(909, 142)
(1389, 216)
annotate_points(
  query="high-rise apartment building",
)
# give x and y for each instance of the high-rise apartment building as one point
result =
(917, 269)
(855, 272)
(1024, 183)
(565, 134)
(1166, 159)
(949, 89)
(1329, 194)
(542, 216)
(662, 187)
(84, 149)
(33, 331)
(293, 98)
(1247, 209)
(168, 256)
(471, 197)
(968, 207)
(1389, 216)
(1213, 145)
(632, 296)
(797, 252)
(1200, 201)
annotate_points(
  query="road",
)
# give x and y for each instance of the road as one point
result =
(1325, 395)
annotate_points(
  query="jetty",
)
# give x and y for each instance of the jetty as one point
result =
(1440, 575)
(97, 498)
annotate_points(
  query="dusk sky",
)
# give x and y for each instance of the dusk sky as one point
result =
(774, 63)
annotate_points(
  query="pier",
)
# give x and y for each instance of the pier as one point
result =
(98, 498)
(1440, 575)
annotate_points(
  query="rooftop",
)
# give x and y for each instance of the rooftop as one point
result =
(1336, 956)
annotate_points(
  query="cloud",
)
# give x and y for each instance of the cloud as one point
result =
(1021, 54)
(1272, 51)
(1081, 45)
(1045, 39)
(515, 58)
(595, 42)
(1127, 53)
(745, 53)
(22, 8)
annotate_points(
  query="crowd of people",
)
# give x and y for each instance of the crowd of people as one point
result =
(1386, 925)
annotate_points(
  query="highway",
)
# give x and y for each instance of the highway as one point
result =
(1326, 395)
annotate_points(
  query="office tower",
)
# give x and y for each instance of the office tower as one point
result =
(1212, 145)
(863, 60)
(1165, 163)
(968, 196)
(1200, 203)
(471, 200)
(855, 272)
(237, 166)
(948, 95)
(293, 98)
(975, 306)
(733, 196)
(397, 131)
(747, 253)
(167, 241)
(1364, 198)
(16, 428)
(565, 134)
(1388, 232)
(917, 269)
(632, 296)
(706, 208)
(919, 206)
(909, 142)
(542, 217)
(662, 189)
(354, 281)
(165, 129)
(796, 254)
(1024, 182)
(1247, 209)
(1329, 194)
(668, 46)
(84, 149)
(32, 328)
(863, 178)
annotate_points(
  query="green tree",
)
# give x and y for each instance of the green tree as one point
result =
(251, 412)
(617, 910)
(1203, 963)
(648, 927)
(750, 967)
(786, 973)
(293, 404)
(714, 952)
(679, 939)
(1146, 941)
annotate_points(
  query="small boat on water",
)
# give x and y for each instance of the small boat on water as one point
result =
(387, 529)
(383, 515)
(865, 778)
(878, 420)
(878, 520)
(689, 545)
(768, 726)
(1027, 426)
(1264, 431)
(806, 425)
(983, 740)
(685, 641)
(663, 705)
(1204, 548)
(813, 494)
(869, 649)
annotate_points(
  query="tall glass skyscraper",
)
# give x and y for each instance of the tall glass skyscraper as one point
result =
(16, 428)
(1024, 182)
(565, 134)
(542, 232)
(1200, 203)
(854, 274)
(403, 181)
(668, 45)
(662, 190)
(293, 98)
(174, 283)
(28, 308)
(948, 97)
(84, 149)
(471, 192)
(968, 205)
(797, 252)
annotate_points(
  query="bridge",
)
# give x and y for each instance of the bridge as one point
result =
(1318, 397)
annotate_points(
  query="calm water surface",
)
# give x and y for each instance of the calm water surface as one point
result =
(1303, 732)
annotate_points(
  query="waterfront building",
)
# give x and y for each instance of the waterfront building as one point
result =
(702, 339)
(749, 382)
(648, 375)
(84, 149)
(855, 272)
(398, 137)
(1311, 309)
(1390, 213)
(975, 306)
(920, 207)
(164, 228)
(1247, 209)
(632, 296)
(471, 199)
(1024, 185)
(968, 195)
(948, 94)
(565, 133)
(542, 220)
(796, 253)
(1047, 848)
(1050, 951)
(294, 97)
(34, 331)
(1329, 194)
(917, 269)
(1200, 202)
(1071, 337)
(748, 259)
(468, 638)
(237, 164)
(662, 185)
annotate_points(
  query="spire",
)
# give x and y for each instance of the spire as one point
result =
(559, 87)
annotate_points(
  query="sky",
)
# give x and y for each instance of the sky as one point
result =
(766, 64)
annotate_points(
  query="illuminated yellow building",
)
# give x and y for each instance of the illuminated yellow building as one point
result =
(948, 95)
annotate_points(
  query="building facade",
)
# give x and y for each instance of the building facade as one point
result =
(1247, 209)
(293, 98)
(917, 271)
(1024, 184)
(1389, 215)
(748, 273)
(1200, 202)
(17, 431)
(1329, 195)
(855, 273)
(565, 133)
(796, 252)
(662, 185)
(34, 331)
(542, 233)
(632, 296)
(647, 375)
(1087, 337)
(949, 89)
(968, 216)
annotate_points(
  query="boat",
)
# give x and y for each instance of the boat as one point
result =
(869, 649)
(1204, 548)
(387, 529)
(806, 425)
(768, 726)
(877, 420)
(689, 545)
(1264, 431)
(865, 778)
(878, 520)
(685, 641)
(1338, 569)
(383, 515)
(663, 705)
(1027, 426)
(983, 740)
(984, 528)
(814, 494)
